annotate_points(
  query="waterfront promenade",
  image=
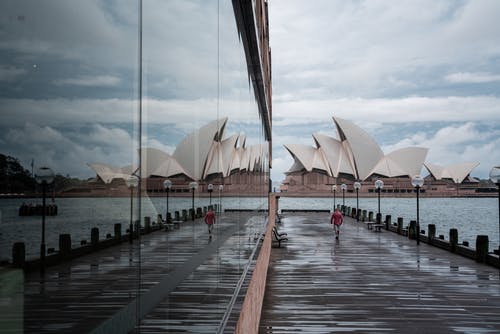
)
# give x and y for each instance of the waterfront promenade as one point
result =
(187, 280)
(373, 282)
(366, 282)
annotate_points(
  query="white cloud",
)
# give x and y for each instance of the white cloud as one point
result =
(389, 110)
(68, 151)
(368, 48)
(467, 77)
(457, 143)
(90, 81)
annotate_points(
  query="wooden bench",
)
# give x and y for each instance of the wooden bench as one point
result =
(279, 237)
(374, 226)
(177, 223)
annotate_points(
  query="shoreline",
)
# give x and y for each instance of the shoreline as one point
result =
(280, 194)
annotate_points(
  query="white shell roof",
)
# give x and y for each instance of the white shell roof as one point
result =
(108, 173)
(335, 155)
(303, 153)
(192, 153)
(199, 154)
(365, 150)
(403, 162)
(155, 162)
(457, 172)
(356, 153)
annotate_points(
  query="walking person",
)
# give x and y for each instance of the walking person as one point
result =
(210, 220)
(337, 219)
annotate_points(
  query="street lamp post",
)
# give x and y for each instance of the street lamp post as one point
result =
(417, 181)
(379, 184)
(132, 182)
(357, 186)
(167, 184)
(221, 187)
(193, 186)
(334, 190)
(210, 188)
(343, 186)
(43, 176)
(495, 178)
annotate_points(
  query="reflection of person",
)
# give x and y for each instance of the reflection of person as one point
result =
(336, 220)
(210, 220)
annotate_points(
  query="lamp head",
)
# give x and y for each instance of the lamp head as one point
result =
(357, 185)
(132, 181)
(44, 175)
(193, 185)
(210, 188)
(379, 184)
(221, 187)
(495, 175)
(343, 186)
(417, 181)
(334, 188)
(167, 184)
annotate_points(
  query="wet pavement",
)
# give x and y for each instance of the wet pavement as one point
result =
(185, 277)
(373, 282)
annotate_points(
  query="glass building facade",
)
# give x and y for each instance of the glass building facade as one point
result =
(98, 91)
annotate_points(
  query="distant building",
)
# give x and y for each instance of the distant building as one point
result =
(355, 156)
(220, 161)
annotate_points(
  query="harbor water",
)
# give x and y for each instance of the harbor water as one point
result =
(77, 216)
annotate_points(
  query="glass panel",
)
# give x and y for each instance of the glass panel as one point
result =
(70, 100)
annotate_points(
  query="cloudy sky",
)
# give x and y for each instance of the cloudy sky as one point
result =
(69, 79)
(411, 73)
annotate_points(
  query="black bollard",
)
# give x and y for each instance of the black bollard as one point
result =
(412, 230)
(482, 246)
(65, 245)
(388, 221)
(118, 231)
(364, 215)
(18, 254)
(379, 218)
(94, 236)
(400, 225)
(147, 224)
(177, 216)
(370, 216)
(432, 232)
(453, 239)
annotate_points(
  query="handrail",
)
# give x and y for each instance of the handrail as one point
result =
(229, 309)
(248, 322)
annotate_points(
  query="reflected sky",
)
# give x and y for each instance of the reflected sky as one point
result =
(69, 79)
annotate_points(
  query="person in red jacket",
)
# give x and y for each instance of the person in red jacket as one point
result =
(210, 220)
(337, 220)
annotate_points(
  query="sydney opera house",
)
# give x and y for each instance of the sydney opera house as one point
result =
(355, 156)
(220, 161)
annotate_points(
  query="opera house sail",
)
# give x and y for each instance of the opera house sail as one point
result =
(354, 155)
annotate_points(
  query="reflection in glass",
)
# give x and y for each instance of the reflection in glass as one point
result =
(69, 99)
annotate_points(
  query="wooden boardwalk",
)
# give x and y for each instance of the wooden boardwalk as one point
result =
(373, 282)
(366, 282)
(186, 280)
